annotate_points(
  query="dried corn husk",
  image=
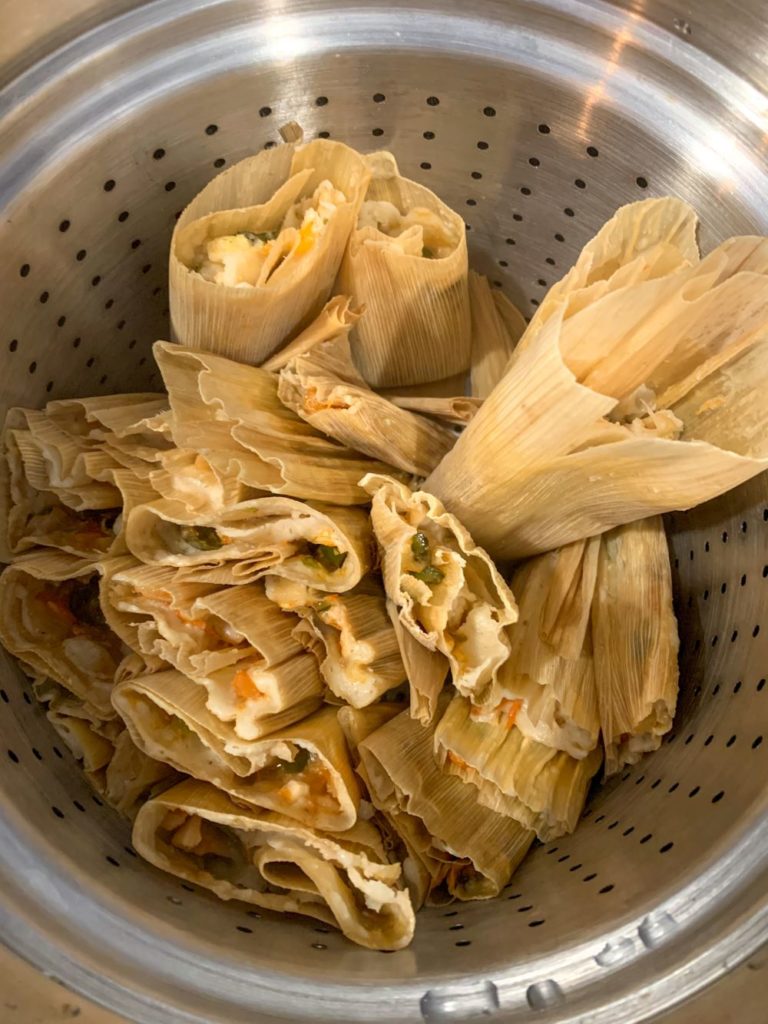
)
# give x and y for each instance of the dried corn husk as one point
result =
(458, 410)
(425, 670)
(464, 611)
(358, 723)
(542, 788)
(133, 415)
(62, 491)
(111, 763)
(532, 473)
(231, 414)
(405, 835)
(492, 343)
(334, 321)
(416, 326)
(471, 851)
(255, 195)
(548, 682)
(271, 535)
(448, 387)
(93, 750)
(68, 642)
(167, 718)
(186, 476)
(636, 642)
(354, 641)
(199, 834)
(131, 777)
(641, 241)
(513, 319)
(323, 388)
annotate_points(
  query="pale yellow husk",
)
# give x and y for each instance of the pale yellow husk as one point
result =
(84, 661)
(470, 850)
(231, 414)
(354, 640)
(425, 670)
(642, 240)
(548, 682)
(447, 387)
(110, 761)
(416, 326)
(636, 642)
(532, 472)
(463, 616)
(405, 835)
(197, 833)
(542, 788)
(513, 319)
(334, 321)
(323, 388)
(492, 343)
(457, 410)
(248, 323)
(167, 718)
(63, 491)
(270, 535)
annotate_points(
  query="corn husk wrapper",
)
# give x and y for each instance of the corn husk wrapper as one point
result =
(447, 387)
(404, 835)
(464, 615)
(641, 241)
(187, 476)
(547, 684)
(250, 322)
(131, 415)
(60, 462)
(457, 410)
(42, 624)
(470, 851)
(131, 777)
(425, 670)
(344, 879)
(541, 788)
(61, 491)
(233, 641)
(166, 716)
(92, 749)
(231, 414)
(333, 323)
(533, 472)
(636, 642)
(416, 326)
(355, 643)
(270, 535)
(514, 320)
(492, 343)
(323, 388)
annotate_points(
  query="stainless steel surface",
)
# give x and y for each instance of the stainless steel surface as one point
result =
(536, 119)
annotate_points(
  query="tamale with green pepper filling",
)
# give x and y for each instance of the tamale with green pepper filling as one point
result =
(343, 879)
(450, 595)
(299, 768)
(321, 545)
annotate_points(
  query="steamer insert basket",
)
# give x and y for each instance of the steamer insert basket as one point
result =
(535, 119)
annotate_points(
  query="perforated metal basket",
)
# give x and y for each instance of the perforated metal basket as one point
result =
(535, 119)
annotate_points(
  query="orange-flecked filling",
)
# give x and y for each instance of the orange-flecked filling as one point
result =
(245, 688)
